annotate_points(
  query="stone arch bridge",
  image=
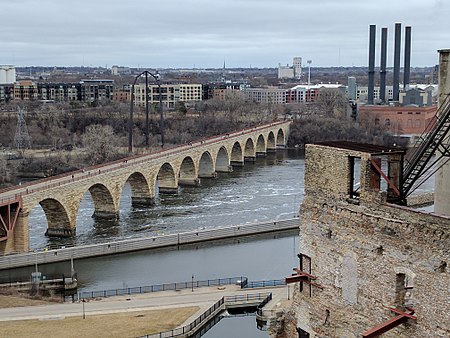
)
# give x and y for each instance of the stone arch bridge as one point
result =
(148, 175)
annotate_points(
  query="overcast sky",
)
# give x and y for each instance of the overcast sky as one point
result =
(205, 33)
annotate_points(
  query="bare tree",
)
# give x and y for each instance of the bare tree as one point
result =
(100, 143)
(332, 102)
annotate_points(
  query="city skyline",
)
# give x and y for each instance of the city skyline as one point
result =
(194, 34)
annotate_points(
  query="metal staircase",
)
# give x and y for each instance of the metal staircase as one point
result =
(422, 159)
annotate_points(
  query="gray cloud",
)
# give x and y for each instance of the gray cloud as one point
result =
(205, 33)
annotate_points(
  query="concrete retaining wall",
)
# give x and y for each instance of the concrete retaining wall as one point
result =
(110, 248)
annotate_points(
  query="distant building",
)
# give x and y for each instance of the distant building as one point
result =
(400, 120)
(291, 72)
(59, 91)
(25, 90)
(7, 75)
(171, 93)
(351, 90)
(96, 90)
(272, 95)
(310, 93)
(117, 70)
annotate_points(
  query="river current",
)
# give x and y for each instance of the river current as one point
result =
(269, 189)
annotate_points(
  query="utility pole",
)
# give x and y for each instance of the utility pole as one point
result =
(21, 138)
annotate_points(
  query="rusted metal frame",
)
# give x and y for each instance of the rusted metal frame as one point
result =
(9, 225)
(397, 192)
(302, 277)
(389, 324)
(409, 315)
(300, 272)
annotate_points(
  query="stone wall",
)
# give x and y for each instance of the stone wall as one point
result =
(368, 256)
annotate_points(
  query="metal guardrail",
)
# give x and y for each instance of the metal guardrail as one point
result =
(135, 244)
(212, 311)
(162, 287)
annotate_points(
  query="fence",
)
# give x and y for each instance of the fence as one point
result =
(212, 312)
(162, 287)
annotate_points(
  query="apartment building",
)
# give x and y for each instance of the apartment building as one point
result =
(272, 95)
(170, 94)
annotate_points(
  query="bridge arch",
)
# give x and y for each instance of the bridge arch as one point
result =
(58, 219)
(249, 151)
(166, 179)
(206, 166)
(281, 139)
(104, 204)
(260, 146)
(237, 155)
(141, 193)
(271, 145)
(223, 161)
(188, 173)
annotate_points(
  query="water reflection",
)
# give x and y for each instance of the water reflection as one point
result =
(233, 325)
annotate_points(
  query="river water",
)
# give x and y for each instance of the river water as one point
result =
(271, 188)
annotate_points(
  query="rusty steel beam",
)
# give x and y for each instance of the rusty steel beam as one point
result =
(9, 221)
(389, 324)
(397, 192)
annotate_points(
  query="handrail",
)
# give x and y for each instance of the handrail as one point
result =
(182, 331)
(161, 287)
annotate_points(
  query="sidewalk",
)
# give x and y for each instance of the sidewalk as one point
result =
(203, 297)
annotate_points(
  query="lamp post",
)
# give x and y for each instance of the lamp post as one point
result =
(309, 71)
(146, 73)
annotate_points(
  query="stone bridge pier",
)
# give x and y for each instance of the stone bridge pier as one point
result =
(147, 175)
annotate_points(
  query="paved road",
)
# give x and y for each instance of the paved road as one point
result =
(201, 297)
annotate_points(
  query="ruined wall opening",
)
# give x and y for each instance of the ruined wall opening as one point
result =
(354, 178)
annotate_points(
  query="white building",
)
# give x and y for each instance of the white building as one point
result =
(291, 72)
(7, 74)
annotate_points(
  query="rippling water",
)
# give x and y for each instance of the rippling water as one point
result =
(271, 188)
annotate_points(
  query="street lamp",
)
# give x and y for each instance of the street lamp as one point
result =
(156, 76)
(309, 71)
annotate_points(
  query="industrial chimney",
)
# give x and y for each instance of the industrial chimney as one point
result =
(396, 80)
(383, 61)
(371, 85)
(407, 64)
(442, 180)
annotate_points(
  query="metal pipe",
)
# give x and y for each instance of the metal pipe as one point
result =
(383, 62)
(396, 80)
(371, 85)
(407, 64)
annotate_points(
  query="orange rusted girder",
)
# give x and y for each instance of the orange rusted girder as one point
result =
(302, 277)
(8, 218)
(390, 324)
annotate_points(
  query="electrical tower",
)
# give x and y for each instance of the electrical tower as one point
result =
(21, 138)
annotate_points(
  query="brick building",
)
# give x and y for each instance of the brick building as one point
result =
(400, 120)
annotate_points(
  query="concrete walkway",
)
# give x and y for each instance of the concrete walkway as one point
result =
(204, 298)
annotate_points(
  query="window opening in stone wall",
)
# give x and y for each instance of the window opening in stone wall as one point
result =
(403, 291)
(354, 177)
(305, 265)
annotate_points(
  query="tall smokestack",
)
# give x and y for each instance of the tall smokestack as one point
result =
(396, 80)
(407, 64)
(371, 85)
(383, 59)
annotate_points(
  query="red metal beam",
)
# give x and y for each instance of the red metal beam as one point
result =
(375, 165)
(389, 324)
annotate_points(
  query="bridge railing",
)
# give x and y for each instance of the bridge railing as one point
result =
(240, 281)
(61, 179)
(212, 311)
